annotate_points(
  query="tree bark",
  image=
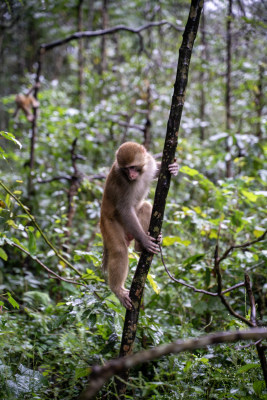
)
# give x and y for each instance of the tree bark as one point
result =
(202, 77)
(80, 57)
(103, 64)
(259, 101)
(228, 171)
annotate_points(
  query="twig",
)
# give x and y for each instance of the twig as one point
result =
(25, 209)
(55, 178)
(259, 346)
(44, 266)
(128, 125)
(194, 288)
(217, 270)
(241, 246)
(69, 178)
(251, 300)
(218, 260)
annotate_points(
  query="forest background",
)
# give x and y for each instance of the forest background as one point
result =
(94, 94)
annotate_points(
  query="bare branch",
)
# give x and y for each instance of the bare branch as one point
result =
(217, 261)
(251, 300)
(180, 281)
(242, 246)
(128, 125)
(103, 32)
(56, 178)
(45, 267)
(32, 218)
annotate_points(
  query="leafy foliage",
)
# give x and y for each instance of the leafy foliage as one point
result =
(52, 332)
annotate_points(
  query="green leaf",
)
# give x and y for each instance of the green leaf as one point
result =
(82, 372)
(3, 154)
(236, 218)
(189, 171)
(246, 368)
(89, 257)
(187, 366)
(153, 284)
(258, 387)
(8, 200)
(191, 260)
(170, 240)
(90, 275)
(11, 137)
(10, 222)
(32, 242)
(3, 254)
(258, 231)
(249, 195)
(12, 301)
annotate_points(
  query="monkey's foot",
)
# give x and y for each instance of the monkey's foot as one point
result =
(124, 298)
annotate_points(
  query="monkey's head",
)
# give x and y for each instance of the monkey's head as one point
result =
(131, 159)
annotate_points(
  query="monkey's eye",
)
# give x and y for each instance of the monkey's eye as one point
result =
(135, 168)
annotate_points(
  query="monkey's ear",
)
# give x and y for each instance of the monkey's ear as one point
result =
(143, 149)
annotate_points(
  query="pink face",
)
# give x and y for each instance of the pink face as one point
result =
(132, 172)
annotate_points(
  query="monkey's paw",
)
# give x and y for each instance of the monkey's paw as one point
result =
(125, 299)
(174, 168)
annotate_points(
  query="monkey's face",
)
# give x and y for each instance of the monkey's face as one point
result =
(132, 172)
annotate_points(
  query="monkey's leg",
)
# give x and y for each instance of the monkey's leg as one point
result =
(144, 215)
(117, 261)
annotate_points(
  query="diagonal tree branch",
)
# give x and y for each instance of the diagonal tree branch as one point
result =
(101, 374)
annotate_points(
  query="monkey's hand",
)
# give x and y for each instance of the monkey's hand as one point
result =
(150, 244)
(123, 296)
(174, 168)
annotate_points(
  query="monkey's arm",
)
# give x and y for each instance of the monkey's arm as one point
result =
(132, 225)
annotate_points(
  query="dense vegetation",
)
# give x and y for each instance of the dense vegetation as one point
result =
(94, 94)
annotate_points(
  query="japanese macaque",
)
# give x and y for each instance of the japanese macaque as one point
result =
(26, 102)
(124, 213)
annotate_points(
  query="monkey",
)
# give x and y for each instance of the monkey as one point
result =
(26, 102)
(125, 215)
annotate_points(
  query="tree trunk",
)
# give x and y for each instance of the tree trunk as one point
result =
(80, 56)
(228, 171)
(137, 287)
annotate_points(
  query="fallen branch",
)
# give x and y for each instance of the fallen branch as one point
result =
(101, 374)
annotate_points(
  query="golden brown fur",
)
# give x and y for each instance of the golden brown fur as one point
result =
(124, 213)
